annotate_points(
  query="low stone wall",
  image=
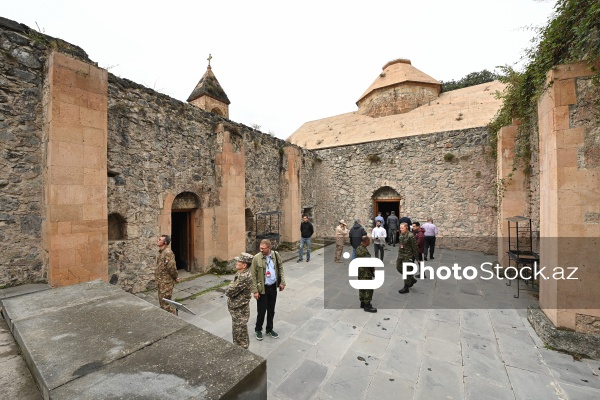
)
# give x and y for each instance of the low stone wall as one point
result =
(578, 343)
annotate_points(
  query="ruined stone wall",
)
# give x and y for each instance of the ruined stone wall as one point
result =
(397, 100)
(449, 176)
(23, 67)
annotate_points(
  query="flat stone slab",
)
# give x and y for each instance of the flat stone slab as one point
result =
(23, 289)
(189, 364)
(94, 340)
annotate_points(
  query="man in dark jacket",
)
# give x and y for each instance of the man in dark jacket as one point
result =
(419, 234)
(406, 220)
(306, 232)
(356, 233)
(393, 225)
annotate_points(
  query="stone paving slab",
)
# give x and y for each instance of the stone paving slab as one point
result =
(303, 382)
(482, 390)
(574, 392)
(439, 379)
(532, 385)
(389, 387)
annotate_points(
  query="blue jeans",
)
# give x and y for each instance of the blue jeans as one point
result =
(353, 253)
(302, 242)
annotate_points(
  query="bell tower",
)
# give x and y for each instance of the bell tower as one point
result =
(209, 95)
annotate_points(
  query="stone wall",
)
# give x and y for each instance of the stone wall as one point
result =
(23, 74)
(449, 176)
(158, 145)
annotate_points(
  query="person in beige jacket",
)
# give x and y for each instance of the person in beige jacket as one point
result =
(341, 233)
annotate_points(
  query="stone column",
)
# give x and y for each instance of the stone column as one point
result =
(512, 192)
(225, 225)
(290, 201)
(75, 230)
(569, 198)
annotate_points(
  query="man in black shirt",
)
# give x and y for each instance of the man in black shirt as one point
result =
(306, 232)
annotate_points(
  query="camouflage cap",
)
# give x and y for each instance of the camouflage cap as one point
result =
(245, 258)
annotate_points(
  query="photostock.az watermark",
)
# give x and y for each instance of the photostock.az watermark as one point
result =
(487, 271)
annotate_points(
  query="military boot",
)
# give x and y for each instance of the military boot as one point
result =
(362, 304)
(369, 308)
(404, 289)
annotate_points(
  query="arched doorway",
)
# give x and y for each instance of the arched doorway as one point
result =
(386, 200)
(183, 212)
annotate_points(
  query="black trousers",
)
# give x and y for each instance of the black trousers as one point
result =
(266, 305)
(378, 251)
(429, 245)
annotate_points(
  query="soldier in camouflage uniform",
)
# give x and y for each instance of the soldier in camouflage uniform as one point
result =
(238, 295)
(365, 295)
(407, 251)
(165, 273)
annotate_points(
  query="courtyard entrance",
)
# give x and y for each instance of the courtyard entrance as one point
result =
(183, 213)
(182, 232)
(386, 200)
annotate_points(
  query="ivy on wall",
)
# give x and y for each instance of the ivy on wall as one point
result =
(571, 35)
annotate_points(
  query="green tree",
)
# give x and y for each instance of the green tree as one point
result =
(472, 79)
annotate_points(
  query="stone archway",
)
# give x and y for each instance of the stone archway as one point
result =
(183, 229)
(385, 200)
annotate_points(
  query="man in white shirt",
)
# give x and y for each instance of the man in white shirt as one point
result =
(379, 236)
(431, 232)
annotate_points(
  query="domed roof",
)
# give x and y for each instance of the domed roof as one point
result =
(396, 72)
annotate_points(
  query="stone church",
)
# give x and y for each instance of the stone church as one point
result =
(94, 167)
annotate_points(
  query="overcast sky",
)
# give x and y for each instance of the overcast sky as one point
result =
(285, 63)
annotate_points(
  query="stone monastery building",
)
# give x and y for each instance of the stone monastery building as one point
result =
(95, 167)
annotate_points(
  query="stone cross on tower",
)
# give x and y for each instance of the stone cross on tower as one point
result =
(209, 58)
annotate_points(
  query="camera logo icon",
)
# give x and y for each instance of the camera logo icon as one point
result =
(366, 263)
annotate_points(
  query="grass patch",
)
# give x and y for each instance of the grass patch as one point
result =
(210, 289)
(190, 278)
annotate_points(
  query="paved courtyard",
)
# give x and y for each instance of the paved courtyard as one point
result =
(412, 348)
